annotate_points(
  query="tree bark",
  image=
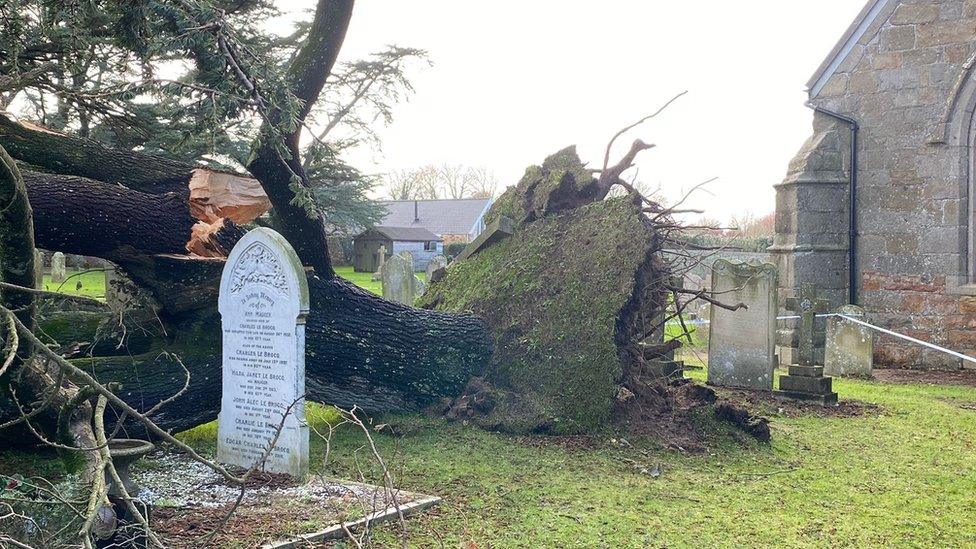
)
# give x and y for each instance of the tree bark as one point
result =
(69, 155)
(281, 173)
(114, 222)
(360, 351)
(16, 240)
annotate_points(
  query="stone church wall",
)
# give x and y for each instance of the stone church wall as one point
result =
(909, 84)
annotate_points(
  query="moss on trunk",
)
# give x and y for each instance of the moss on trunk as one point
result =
(563, 296)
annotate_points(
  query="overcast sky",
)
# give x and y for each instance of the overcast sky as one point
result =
(515, 80)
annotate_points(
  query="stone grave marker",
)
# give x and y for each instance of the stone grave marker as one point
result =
(263, 303)
(741, 343)
(806, 380)
(399, 282)
(58, 268)
(849, 348)
(435, 263)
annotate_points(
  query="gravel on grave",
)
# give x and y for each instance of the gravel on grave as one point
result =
(170, 479)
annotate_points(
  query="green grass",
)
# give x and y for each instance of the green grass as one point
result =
(365, 280)
(92, 283)
(900, 475)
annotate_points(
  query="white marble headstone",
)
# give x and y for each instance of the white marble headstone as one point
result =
(741, 343)
(263, 303)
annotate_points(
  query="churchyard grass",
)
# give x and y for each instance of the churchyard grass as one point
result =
(92, 283)
(897, 475)
(365, 280)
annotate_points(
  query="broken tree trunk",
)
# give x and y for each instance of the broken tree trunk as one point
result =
(361, 350)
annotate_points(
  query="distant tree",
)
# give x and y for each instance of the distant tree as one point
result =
(444, 181)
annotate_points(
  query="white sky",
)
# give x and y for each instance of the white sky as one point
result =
(515, 80)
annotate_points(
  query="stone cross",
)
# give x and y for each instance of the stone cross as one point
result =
(382, 259)
(263, 303)
(808, 307)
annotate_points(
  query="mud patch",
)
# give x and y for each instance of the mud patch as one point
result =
(763, 403)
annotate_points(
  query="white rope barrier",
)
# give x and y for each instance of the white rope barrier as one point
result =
(909, 338)
(886, 331)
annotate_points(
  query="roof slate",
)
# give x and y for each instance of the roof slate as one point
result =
(408, 234)
(438, 216)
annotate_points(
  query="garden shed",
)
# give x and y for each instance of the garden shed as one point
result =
(420, 242)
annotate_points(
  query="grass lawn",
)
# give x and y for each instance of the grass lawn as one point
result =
(901, 474)
(365, 280)
(92, 283)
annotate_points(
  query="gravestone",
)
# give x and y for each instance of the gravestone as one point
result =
(849, 348)
(263, 304)
(58, 268)
(806, 380)
(399, 282)
(435, 263)
(741, 343)
(38, 269)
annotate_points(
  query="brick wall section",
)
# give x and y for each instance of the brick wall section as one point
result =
(905, 83)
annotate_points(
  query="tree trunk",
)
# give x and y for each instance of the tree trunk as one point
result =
(277, 161)
(94, 218)
(360, 351)
(75, 156)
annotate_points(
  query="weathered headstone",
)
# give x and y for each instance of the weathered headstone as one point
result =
(58, 268)
(806, 380)
(849, 348)
(263, 304)
(435, 263)
(38, 269)
(399, 282)
(741, 343)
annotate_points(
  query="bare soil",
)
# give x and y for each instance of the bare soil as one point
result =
(929, 377)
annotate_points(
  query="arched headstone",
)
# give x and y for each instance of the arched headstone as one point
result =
(399, 282)
(263, 304)
(58, 268)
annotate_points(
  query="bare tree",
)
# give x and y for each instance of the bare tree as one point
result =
(451, 181)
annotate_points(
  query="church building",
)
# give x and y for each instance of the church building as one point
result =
(876, 208)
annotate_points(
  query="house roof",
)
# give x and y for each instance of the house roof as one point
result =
(873, 12)
(438, 216)
(407, 234)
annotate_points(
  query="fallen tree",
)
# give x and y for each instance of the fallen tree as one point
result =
(576, 299)
(169, 225)
(361, 350)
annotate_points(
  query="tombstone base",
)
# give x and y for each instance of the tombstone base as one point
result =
(829, 399)
(807, 384)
